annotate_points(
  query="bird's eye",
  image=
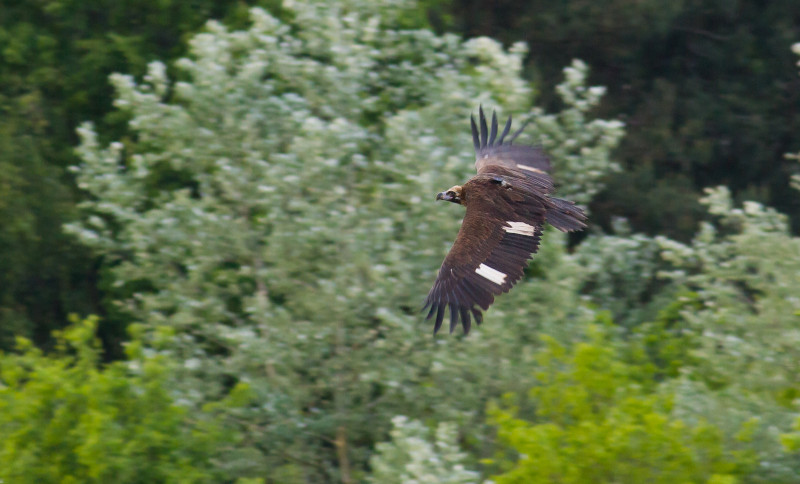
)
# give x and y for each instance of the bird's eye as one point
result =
(451, 193)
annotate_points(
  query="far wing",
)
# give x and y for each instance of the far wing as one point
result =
(499, 233)
(493, 153)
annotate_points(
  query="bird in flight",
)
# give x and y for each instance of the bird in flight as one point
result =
(507, 204)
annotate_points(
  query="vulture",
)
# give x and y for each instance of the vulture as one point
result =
(507, 204)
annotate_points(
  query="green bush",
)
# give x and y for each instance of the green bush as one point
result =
(64, 418)
(596, 421)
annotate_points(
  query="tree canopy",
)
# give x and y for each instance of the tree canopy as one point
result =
(254, 222)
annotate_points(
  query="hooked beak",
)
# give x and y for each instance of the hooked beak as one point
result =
(444, 196)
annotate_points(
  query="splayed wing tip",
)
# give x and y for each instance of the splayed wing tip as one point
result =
(484, 128)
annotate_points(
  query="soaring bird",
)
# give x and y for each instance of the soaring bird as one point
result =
(507, 204)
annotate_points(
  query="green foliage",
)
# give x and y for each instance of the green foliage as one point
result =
(580, 145)
(267, 223)
(55, 59)
(619, 272)
(595, 422)
(63, 418)
(411, 456)
(739, 272)
(665, 346)
(745, 269)
(723, 315)
(38, 283)
(271, 222)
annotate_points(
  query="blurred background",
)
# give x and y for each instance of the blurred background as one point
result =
(218, 229)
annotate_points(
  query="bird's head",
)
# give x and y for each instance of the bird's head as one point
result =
(453, 194)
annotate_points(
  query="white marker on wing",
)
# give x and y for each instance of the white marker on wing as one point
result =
(492, 274)
(529, 168)
(520, 228)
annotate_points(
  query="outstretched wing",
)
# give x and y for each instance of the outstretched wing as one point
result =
(493, 154)
(501, 229)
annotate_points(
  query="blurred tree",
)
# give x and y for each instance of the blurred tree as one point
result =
(725, 340)
(706, 87)
(55, 59)
(43, 273)
(745, 269)
(271, 221)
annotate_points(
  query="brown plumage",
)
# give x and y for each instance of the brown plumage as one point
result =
(507, 204)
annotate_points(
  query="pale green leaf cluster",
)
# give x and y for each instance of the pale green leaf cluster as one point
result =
(745, 268)
(580, 145)
(415, 456)
(619, 272)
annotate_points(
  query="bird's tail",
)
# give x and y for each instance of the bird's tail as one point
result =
(566, 216)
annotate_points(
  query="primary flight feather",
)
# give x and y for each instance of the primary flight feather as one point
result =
(507, 204)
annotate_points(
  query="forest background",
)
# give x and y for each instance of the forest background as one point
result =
(216, 236)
